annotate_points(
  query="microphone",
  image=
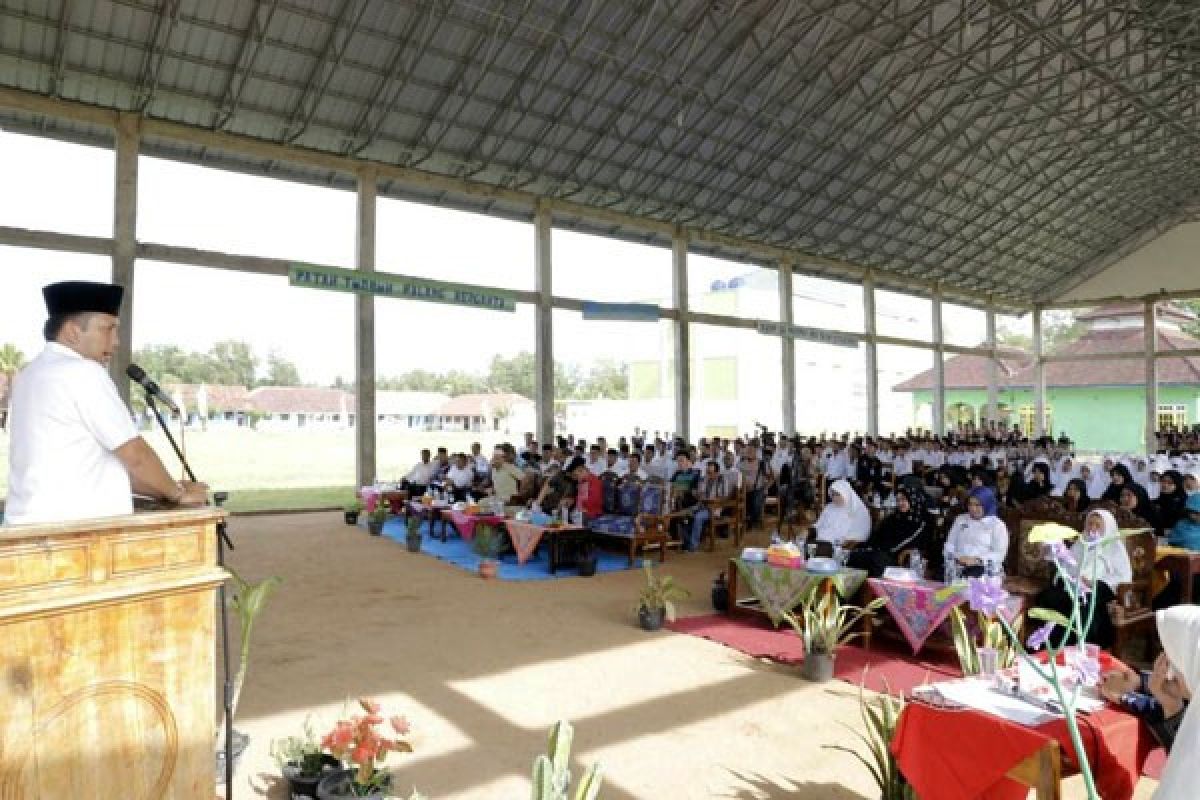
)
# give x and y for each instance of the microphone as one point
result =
(139, 376)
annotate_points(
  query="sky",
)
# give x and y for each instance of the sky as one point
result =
(51, 185)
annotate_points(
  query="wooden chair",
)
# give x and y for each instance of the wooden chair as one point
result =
(731, 517)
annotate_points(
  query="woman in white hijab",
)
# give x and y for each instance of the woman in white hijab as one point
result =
(1179, 631)
(1065, 473)
(845, 518)
(1096, 479)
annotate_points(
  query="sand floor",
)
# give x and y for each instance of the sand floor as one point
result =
(483, 669)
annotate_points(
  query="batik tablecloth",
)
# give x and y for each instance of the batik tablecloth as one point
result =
(915, 606)
(525, 536)
(780, 589)
(465, 523)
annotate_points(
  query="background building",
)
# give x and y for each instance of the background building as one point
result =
(1100, 404)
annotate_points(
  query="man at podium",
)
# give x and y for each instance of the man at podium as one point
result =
(75, 453)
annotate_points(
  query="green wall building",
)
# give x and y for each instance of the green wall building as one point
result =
(1100, 404)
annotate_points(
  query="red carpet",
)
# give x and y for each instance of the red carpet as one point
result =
(888, 667)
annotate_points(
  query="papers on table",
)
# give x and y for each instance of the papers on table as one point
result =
(1023, 709)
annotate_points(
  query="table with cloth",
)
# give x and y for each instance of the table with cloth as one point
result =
(963, 754)
(465, 523)
(526, 536)
(915, 606)
(431, 513)
(780, 589)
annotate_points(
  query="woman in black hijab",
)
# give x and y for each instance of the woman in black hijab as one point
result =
(1075, 496)
(909, 527)
(1120, 477)
(1039, 483)
(1133, 498)
(1169, 505)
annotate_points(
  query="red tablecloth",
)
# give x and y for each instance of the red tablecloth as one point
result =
(964, 754)
(465, 523)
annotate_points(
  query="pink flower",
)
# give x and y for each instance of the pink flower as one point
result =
(400, 725)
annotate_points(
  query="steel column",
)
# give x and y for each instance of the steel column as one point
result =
(1151, 335)
(1039, 376)
(683, 349)
(939, 368)
(993, 370)
(788, 347)
(544, 321)
(872, 355)
(364, 330)
(125, 242)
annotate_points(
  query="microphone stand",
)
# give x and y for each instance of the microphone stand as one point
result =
(223, 541)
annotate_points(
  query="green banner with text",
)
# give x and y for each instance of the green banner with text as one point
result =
(381, 284)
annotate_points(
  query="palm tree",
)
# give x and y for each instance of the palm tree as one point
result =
(11, 360)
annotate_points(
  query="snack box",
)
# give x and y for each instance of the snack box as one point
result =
(785, 560)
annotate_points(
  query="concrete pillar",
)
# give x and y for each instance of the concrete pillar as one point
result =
(939, 367)
(125, 242)
(544, 322)
(683, 349)
(1151, 334)
(872, 355)
(993, 371)
(364, 330)
(788, 347)
(1039, 377)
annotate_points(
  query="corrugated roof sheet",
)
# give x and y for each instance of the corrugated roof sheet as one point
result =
(994, 148)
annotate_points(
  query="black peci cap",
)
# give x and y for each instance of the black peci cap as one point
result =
(78, 297)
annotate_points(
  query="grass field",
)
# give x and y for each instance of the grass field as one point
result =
(292, 470)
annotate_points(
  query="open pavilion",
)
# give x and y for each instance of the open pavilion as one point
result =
(1006, 156)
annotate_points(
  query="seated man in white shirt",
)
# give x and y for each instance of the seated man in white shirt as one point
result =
(479, 462)
(460, 477)
(612, 463)
(417, 481)
(634, 468)
(596, 463)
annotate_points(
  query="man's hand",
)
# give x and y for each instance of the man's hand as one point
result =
(194, 494)
(1167, 688)
(1118, 682)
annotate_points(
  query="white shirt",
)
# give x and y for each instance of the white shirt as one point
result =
(902, 465)
(481, 465)
(978, 538)
(597, 467)
(66, 421)
(421, 474)
(461, 478)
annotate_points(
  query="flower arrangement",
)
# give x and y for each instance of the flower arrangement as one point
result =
(986, 597)
(302, 752)
(360, 743)
(1078, 668)
(660, 593)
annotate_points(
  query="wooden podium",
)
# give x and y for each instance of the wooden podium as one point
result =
(107, 658)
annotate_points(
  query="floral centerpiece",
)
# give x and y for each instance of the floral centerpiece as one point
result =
(1078, 668)
(362, 744)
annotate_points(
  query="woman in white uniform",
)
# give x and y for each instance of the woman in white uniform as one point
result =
(845, 518)
(978, 536)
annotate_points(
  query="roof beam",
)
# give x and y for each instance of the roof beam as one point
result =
(252, 40)
(164, 25)
(60, 48)
(324, 68)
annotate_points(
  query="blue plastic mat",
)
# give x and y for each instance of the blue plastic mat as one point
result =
(455, 550)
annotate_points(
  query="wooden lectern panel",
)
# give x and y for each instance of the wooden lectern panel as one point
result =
(107, 669)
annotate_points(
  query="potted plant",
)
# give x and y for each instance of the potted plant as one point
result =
(302, 762)
(657, 599)
(827, 624)
(377, 517)
(351, 512)
(412, 539)
(486, 544)
(362, 743)
(880, 717)
(248, 601)
(552, 779)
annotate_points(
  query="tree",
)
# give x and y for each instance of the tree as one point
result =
(607, 380)
(1059, 328)
(1191, 329)
(280, 371)
(11, 361)
(232, 363)
(517, 375)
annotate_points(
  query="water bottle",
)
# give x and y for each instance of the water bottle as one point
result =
(951, 568)
(917, 565)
